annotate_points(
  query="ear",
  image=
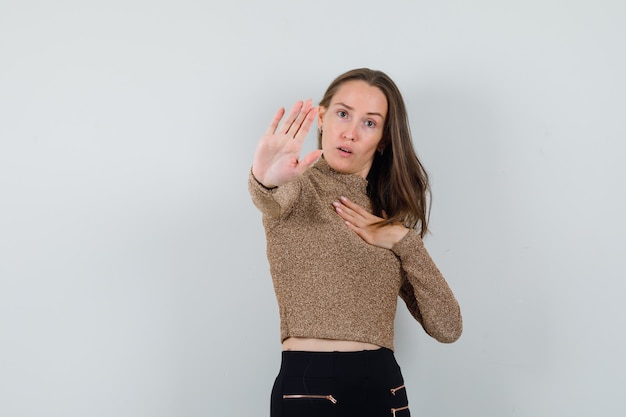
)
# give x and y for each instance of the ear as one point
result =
(321, 111)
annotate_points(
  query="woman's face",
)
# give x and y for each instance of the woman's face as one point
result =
(352, 127)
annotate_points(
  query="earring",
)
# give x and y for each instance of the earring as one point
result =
(321, 130)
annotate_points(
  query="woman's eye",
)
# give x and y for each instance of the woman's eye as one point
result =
(370, 123)
(342, 114)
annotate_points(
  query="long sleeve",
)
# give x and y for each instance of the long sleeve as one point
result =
(273, 202)
(426, 292)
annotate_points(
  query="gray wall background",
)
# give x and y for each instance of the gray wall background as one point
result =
(133, 279)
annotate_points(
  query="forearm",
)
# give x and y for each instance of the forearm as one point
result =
(426, 292)
(272, 202)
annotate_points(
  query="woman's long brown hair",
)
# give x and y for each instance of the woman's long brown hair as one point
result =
(398, 184)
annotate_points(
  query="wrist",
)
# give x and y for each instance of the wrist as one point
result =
(261, 181)
(399, 232)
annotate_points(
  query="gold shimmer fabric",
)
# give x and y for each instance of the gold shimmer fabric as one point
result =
(329, 283)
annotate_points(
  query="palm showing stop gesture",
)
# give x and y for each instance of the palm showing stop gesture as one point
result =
(277, 156)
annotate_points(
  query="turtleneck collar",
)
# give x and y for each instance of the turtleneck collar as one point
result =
(352, 180)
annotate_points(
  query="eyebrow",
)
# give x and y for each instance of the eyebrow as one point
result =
(351, 108)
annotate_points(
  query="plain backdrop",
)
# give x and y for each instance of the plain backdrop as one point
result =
(133, 277)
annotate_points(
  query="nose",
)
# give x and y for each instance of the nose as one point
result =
(350, 132)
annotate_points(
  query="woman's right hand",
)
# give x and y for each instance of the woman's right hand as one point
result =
(277, 156)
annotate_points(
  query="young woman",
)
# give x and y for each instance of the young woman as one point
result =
(344, 228)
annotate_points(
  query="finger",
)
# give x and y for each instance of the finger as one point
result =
(293, 114)
(306, 124)
(348, 215)
(354, 207)
(359, 231)
(360, 216)
(300, 118)
(271, 129)
(343, 208)
(308, 160)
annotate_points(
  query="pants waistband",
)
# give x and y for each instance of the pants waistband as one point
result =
(337, 364)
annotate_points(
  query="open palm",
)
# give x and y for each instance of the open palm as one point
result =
(277, 156)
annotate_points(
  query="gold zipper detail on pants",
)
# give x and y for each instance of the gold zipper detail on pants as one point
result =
(393, 390)
(310, 396)
(395, 410)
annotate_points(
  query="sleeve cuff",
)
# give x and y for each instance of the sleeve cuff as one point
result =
(407, 244)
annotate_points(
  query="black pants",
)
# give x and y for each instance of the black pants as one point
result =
(339, 384)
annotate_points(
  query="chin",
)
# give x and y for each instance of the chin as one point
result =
(337, 166)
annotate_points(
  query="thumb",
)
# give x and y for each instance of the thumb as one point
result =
(309, 160)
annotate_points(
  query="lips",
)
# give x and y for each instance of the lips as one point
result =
(345, 149)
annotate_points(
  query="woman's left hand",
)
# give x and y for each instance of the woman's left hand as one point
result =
(364, 224)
